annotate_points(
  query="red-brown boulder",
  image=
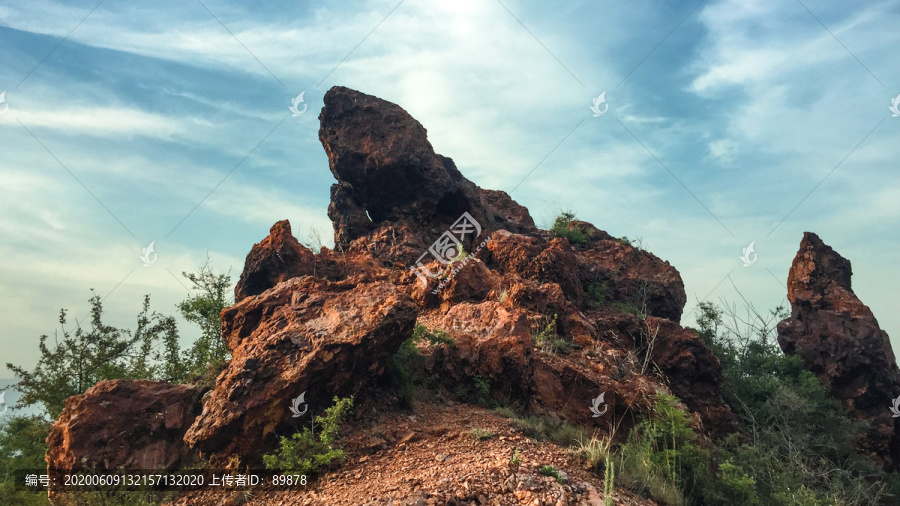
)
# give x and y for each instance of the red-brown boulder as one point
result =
(276, 258)
(304, 335)
(632, 275)
(123, 424)
(839, 340)
(388, 173)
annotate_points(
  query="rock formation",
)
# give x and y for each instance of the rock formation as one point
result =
(123, 424)
(304, 335)
(389, 177)
(548, 324)
(839, 340)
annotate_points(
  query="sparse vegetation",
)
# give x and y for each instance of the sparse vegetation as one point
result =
(547, 470)
(627, 307)
(801, 449)
(624, 241)
(505, 412)
(541, 427)
(596, 292)
(549, 341)
(483, 391)
(481, 434)
(563, 227)
(515, 461)
(403, 369)
(308, 453)
(434, 337)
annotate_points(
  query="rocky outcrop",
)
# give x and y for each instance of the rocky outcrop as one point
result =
(839, 340)
(389, 175)
(130, 424)
(325, 323)
(631, 275)
(276, 258)
(304, 335)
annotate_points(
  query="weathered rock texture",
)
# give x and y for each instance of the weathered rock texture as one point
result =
(387, 171)
(304, 335)
(839, 340)
(276, 258)
(115, 424)
(546, 323)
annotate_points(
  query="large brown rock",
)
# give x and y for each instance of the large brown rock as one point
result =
(839, 340)
(304, 335)
(276, 258)
(123, 424)
(633, 275)
(388, 174)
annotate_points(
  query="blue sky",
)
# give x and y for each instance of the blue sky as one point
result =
(723, 117)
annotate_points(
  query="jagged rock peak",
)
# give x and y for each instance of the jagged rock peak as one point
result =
(839, 340)
(388, 172)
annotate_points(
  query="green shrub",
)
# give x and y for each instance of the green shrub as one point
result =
(550, 342)
(547, 470)
(306, 453)
(400, 371)
(563, 227)
(596, 292)
(505, 412)
(434, 337)
(483, 391)
(626, 307)
(661, 456)
(481, 434)
(557, 431)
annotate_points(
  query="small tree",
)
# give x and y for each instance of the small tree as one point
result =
(75, 361)
(203, 308)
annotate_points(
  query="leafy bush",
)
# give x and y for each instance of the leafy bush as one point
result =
(203, 308)
(78, 360)
(803, 444)
(400, 371)
(434, 337)
(661, 456)
(303, 452)
(563, 227)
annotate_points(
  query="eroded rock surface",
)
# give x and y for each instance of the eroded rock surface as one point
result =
(303, 335)
(326, 322)
(839, 340)
(388, 175)
(131, 424)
